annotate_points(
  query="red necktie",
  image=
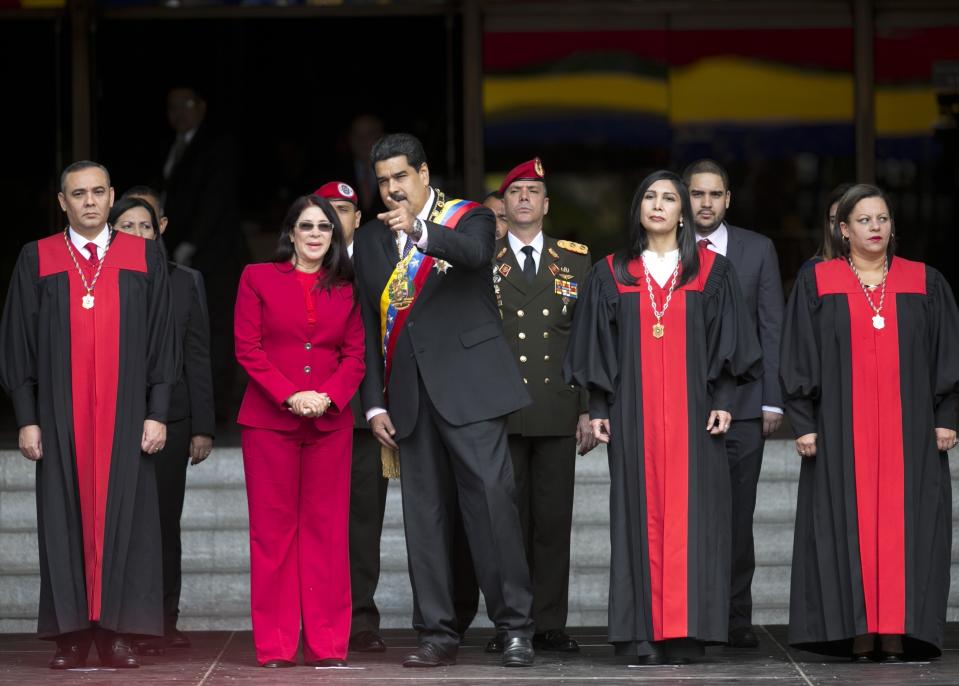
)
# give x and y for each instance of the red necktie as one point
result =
(704, 243)
(94, 258)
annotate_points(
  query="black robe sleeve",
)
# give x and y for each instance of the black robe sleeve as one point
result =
(163, 346)
(799, 358)
(196, 362)
(18, 337)
(945, 353)
(734, 356)
(591, 359)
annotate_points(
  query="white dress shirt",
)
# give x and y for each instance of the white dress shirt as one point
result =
(102, 240)
(719, 243)
(517, 246)
(661, 268)
(718, 239)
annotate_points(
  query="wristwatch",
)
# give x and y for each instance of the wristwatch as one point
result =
(417, 233)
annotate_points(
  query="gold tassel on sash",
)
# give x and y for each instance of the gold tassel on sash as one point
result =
(390, 459)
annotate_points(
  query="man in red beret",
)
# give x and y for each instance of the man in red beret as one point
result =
(367, 483)
(347, 205)
(535, 279)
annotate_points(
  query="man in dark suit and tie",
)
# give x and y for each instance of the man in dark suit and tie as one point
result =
(757, 408)
(440, 381)
(200, 195)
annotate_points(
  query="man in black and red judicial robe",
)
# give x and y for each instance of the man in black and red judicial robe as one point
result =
(874, 518)
(88, 360)
(669, 479)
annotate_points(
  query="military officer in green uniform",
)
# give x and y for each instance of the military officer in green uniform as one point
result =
(536, 279)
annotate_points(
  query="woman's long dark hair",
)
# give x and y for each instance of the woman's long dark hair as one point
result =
(639, 241)
(848, 202)
(830, 229)
(128, 203)
(123, 205)
(337, 265)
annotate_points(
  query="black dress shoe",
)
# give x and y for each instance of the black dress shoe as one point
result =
(278, 664)
(71, 653)
(743, 638)
(429, 655)
(862, 658)
(367, 642)
(518, 652)
(327, 662)
(891, 658)
(495, 644)
(117, 652)
(555, 640)
(149, 646)
(651, 660)
(177, 639)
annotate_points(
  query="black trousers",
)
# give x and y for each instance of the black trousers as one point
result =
(744, 449)
(367, 505)
(545, 471)
(171, 464)
(441, 464)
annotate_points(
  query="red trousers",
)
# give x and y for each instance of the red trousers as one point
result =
(298, 490)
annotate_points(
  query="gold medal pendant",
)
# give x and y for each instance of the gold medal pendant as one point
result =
(658, 330)
(87, 301)
(878, 322)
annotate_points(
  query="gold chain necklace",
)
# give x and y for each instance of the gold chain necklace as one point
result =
(658, 329)
(878, 321)
(86, 300)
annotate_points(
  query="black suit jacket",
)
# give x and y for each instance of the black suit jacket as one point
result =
(757, 266)
(193, 394)
(201, 200)
(453, 338)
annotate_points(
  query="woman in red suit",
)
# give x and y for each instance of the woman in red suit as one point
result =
(300, 339)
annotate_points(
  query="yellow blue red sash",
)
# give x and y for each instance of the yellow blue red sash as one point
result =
(409, 275)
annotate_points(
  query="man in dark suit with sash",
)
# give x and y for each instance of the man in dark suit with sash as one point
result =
(440, 381)
(757, 408)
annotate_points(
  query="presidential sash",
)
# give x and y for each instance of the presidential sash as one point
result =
(409, 275)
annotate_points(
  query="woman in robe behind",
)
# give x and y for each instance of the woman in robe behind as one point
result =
(300, 338)
(659, 339)
(870, 374)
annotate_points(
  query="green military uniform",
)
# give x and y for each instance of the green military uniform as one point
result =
(537, 317)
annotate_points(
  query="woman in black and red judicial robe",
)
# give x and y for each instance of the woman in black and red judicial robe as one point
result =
(870, 374)
(659, 339)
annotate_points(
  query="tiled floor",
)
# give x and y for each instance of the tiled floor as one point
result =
(227, 658)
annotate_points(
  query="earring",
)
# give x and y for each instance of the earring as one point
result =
(845, 237)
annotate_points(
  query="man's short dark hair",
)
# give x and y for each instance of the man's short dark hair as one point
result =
(396, 144)
(706, 166)
(493, 194)
(80, 166)
(144, 191)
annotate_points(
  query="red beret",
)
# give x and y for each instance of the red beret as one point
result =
(529, 170)
(337, 190)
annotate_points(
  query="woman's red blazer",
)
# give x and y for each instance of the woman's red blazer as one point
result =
(282, 353)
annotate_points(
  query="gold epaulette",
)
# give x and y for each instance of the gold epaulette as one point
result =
(577, 248)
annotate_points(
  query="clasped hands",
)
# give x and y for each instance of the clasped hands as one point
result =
(308, 403)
